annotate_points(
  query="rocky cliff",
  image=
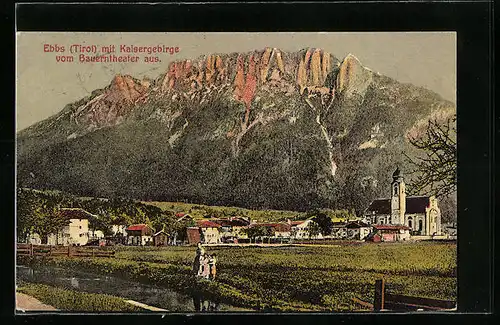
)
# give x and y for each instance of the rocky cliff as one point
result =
(264, 129)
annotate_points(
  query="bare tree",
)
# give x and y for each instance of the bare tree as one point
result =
(434, 171)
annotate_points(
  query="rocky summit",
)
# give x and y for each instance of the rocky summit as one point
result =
(263, 129)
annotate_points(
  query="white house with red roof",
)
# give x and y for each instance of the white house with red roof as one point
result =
(300, 229)
(278, 229)
(140, 235)
(209, 232)
(421, 214)
(232, 228)
(357, 230)
(181, 216)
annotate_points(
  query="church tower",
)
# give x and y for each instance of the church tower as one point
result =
(398, 198)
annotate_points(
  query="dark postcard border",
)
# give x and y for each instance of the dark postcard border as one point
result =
(472, 22)
(7, 159)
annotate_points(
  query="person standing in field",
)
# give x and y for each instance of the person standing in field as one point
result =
(196, 264)
(200, 251)
(212, 263)
(201, 266)
(206, 266)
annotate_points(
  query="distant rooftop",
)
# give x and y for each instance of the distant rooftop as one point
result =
(75, 213)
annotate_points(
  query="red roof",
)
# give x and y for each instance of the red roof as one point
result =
(137, 227)
(280, 227)
(180, 214)
(231, 222)
(207, 224)
(390, 227)
(295, 223)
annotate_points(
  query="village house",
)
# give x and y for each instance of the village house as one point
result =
(389, 233)
(118, 235)
(119, 230)
(278, 229)
(231, 229)
(140, 235)
(76, 232)
(209, 232)
(161, 238)
(420, 214)
(282, 230)
(95, 234)
(34, 239)
(193, 235)
(339, 230)
(357, 230)
(182, 217)
(300, 229)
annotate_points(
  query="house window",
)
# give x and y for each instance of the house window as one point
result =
(410, 222)
(420, 225)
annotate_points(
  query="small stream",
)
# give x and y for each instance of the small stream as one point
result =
(148, 294)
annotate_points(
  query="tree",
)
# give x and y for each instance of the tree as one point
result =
(448, 206)
(434, 171)
(100, 222)
(258, 231)
(25, 203)
(313, 230)
(324, 222)
(47, 220)
(161, 220)
(38, 213)
(178, 229)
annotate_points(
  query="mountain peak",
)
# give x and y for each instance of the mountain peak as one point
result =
(351, 56)
(112, 104)
(353, 77)
(127, 88)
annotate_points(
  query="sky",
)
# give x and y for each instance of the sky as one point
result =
(44, 86)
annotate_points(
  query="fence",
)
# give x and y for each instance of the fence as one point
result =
(47, 250)
(386, 301)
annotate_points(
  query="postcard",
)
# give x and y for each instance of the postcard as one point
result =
(236, 172)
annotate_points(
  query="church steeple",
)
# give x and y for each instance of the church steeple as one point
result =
(398, 198)
(397, 174)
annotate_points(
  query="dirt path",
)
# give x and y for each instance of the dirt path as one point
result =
(28, 303)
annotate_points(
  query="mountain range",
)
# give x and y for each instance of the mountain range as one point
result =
(263, 129)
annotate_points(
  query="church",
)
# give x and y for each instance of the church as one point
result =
(419, 213)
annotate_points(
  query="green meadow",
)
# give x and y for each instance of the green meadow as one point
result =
(290, 278)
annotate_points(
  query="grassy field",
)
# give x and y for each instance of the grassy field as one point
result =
(74, 301)
(292, 278)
